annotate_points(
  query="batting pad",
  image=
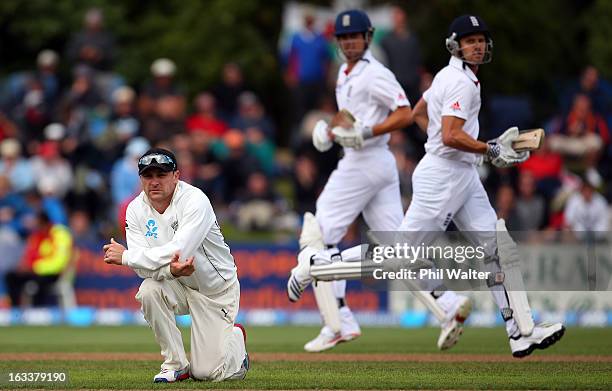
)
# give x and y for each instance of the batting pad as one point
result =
(509, 260)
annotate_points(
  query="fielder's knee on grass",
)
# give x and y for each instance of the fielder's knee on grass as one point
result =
(206, 371)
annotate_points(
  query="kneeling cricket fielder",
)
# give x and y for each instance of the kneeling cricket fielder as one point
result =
(171, 219)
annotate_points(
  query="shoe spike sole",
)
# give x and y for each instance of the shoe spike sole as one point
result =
(547, 342)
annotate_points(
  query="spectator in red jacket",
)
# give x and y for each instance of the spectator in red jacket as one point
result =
(205, 118)
(545, 166)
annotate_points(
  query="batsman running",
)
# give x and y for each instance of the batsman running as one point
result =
(366, 181)
(447, 186)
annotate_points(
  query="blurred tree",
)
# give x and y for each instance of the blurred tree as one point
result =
(200, 36)
(537, 43)
(598, 24)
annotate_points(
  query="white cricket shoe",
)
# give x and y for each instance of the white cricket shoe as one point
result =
(311, 242)
(171, 376)
(457, 308)
(543, 336)
(300, 278)
(327, 339)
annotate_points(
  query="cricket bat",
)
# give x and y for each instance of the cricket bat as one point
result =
(529, 140)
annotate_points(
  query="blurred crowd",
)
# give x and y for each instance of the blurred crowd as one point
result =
(69, 146)
(563, 191)
(566, 185)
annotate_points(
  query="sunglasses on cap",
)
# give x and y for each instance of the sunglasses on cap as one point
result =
(158, 158)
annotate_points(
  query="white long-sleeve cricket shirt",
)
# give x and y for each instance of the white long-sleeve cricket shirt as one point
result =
(188, 226)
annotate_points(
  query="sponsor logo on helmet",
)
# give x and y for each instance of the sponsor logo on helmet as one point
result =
(346, 20)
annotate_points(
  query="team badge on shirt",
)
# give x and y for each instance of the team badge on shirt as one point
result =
(455, 106)
(151, 229)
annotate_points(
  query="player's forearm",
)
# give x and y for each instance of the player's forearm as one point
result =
(454, 136)
(197, 219)
(149, 258)
(163, 273)
(419, 115)
(139, 254)
(399, 119)
(462, 141)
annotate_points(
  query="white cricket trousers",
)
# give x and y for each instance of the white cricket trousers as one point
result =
(446, 190)
(217, 349)
(364, 182)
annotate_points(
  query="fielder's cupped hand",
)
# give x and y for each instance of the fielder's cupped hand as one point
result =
(113, 252)
(180, 269)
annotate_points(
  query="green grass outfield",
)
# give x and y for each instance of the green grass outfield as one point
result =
(383, 358)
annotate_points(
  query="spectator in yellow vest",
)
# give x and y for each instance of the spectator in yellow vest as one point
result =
(48, 251)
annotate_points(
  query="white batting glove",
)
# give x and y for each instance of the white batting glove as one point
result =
(503, 161)
(320, 137)
(500, 152)
(352, 137)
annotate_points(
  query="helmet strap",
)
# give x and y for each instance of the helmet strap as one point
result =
(367, 37)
